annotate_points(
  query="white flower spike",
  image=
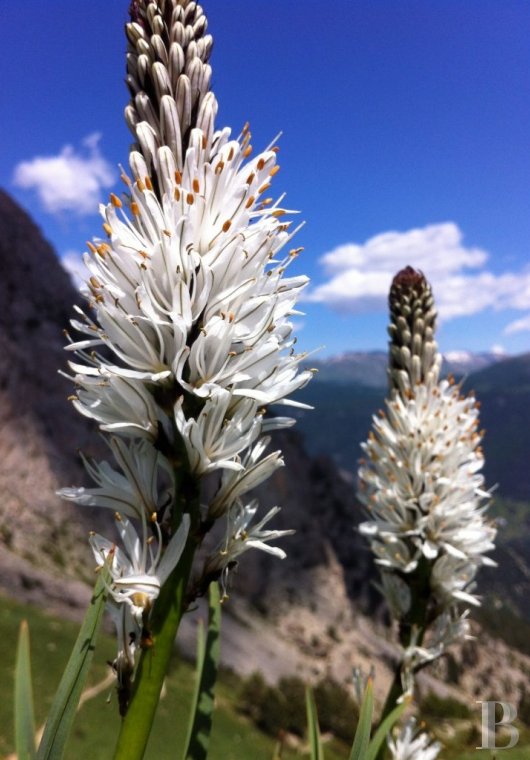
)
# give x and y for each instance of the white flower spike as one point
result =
(187, 338)
(422, 485)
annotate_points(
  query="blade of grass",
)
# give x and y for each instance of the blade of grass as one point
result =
(64, 705)
(362, 734)
(384, 729)
(24, 716)
(313, 729)
(208, 651)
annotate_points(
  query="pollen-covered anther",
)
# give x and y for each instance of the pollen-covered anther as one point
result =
(279, 212)
(140, 599)
(116, 202)
(250, 202)
(247, 152)
(219, 167)
(196, 186)
(190, 199)
(250, 178)
(91, 247)
(274, 170)
(107, 228)
(178, 177)
(227, 225)
(135, 209)
(148, 183)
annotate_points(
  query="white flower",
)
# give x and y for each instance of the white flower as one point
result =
(139, 570)
(225, 427)
(411, 744)
(422, 485)
(134, 490)
(240, 536)
(159, 273)
(254, 470)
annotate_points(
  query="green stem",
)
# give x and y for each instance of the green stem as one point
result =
(163, 624)
(417, 620)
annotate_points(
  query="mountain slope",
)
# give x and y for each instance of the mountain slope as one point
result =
(40, 432)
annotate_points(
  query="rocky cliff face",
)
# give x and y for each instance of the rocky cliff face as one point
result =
(39, 431)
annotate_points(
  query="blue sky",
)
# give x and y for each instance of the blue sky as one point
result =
(406, 140)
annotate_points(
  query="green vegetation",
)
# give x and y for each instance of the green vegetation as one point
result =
(235, 735)
(433, 706)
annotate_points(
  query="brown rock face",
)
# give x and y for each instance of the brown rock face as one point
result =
(39, 430)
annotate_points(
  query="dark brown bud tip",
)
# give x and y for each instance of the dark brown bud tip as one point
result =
(408, 278)
(134, 12)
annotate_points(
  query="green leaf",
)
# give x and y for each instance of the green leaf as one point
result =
(64, 705)
(208, 651)
(384, 729)
(362, 734)
(313, 730)
(24, 717)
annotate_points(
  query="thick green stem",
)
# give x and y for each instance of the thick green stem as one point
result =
(163, 624)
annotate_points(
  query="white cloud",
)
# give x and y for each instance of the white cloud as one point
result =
(71, 181)
(360, 275)
(73, 262)
(518, 325)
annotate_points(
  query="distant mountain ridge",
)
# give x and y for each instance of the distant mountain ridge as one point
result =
(349, 390)
(369, 368)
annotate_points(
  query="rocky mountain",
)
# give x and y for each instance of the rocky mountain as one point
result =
(39, 433)
(314, 613)
(346, 405)
(369, 368)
